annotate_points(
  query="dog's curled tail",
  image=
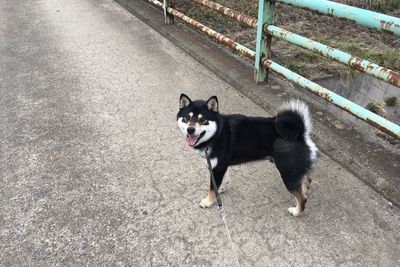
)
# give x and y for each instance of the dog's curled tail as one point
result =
(293, 121)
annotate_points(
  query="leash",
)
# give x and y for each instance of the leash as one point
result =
(214, 185)
(220, 208)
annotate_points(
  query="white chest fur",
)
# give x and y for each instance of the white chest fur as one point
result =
(202, 153)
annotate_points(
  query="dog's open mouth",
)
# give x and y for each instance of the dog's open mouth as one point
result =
(193, 139)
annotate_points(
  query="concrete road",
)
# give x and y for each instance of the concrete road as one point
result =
(94, 170)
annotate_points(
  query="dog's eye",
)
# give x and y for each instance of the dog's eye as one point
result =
(186, 118)
(203, 120)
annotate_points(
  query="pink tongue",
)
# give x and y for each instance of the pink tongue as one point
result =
(191, 140)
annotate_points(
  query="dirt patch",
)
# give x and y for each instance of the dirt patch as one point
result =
(375, 46)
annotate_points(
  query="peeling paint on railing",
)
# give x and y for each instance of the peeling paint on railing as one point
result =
(250, 21)
(367, 18)
(382, 73)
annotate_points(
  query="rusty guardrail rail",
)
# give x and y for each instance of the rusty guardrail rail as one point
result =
(265, 32)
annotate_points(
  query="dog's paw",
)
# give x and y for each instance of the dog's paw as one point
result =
(206, 203)
(294, 212)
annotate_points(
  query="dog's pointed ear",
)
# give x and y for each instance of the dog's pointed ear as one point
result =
(212, 104)
(184, 101)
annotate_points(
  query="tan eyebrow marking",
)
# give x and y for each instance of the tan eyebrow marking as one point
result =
(200, 116)
(191, 114)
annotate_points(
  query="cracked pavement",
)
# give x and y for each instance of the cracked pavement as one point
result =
(94, 170)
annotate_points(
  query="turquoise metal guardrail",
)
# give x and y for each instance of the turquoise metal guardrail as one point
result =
(266, 30)
(360, 16)
(363, 65)
(169, 19)
(263, 42)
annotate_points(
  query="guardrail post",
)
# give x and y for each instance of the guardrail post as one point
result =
(169, 19)
(263, 42)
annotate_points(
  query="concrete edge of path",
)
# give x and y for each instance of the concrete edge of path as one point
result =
(360, 151)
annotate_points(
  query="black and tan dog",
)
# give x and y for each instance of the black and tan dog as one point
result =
(235, 139)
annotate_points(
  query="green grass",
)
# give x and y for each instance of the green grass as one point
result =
(373, 107)
(294, 66)
(383, 5)
(209, 17)
(323, 40)
(351, 48)
(391, 101)
(388, 57)
(308, 56)
(248, 7)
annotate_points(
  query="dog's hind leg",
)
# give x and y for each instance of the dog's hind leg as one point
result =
(305, 185)
(300, 204)
(301, 197)
(210, 199)
(225, 182)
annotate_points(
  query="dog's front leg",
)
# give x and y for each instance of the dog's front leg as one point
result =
(218, 176)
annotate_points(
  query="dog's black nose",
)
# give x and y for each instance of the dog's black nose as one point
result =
(191, 130)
